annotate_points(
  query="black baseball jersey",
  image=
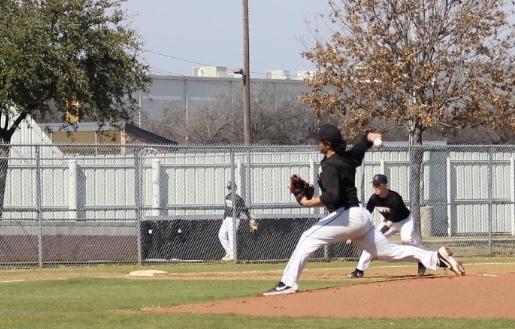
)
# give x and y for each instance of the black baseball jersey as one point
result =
(231, 210)
(337, 176)
(392, 207)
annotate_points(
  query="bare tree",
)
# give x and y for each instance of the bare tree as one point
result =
(274, 120)
(280, 119)
(169, 123)
(420, 64)
(215, 122)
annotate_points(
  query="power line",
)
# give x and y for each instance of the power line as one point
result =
(173, 57)
(187, 60)
(203, 64)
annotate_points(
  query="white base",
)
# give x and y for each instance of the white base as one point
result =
(148, 273)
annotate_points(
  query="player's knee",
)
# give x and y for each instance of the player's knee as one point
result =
(222, 235)
(304, 237)
(409, 242)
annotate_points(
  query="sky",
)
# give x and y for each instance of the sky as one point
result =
(181, 34)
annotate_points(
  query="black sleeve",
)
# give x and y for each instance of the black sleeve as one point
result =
(240, 204)
(371, 204)
(226, 209)
(398, 210)
(331, 194)
(357, 152)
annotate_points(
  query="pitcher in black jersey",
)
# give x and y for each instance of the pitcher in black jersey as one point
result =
(234, 206)
(396, 219)
(347, 219)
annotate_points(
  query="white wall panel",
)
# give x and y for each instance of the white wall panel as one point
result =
(196, 181)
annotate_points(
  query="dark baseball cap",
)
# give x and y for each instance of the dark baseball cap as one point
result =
(231, 185)
(327, 132)
(380, 179)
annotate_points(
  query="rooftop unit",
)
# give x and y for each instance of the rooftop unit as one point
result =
(277, 74)
(306, 74)
(210, 72)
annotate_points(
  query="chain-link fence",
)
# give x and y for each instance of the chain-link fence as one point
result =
(81, 204)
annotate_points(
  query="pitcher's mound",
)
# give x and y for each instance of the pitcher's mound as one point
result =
(148, 273)
(436, 296)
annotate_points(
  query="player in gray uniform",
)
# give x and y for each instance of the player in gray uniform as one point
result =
(397, 219)
(347, 219)
(234, 206)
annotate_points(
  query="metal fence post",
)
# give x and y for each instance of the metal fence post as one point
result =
(234, 219)
(38, 206)
(490, 221)
(313, 178)
(73, 186)
(512, 175)
(449, 196)
(138, 195)
(246, 175)
(156, 187)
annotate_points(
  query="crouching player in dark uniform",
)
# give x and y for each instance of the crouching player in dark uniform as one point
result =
(397, 219)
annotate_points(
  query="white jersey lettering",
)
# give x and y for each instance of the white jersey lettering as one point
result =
(383, 210)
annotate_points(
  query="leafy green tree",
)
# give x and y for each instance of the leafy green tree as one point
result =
(61, 56)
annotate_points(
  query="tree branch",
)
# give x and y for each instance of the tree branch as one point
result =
(15, 125)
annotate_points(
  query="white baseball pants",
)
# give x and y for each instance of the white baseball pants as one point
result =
(227, 233)
(404, 227)
(354, 224)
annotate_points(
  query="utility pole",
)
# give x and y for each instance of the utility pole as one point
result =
(246, 74)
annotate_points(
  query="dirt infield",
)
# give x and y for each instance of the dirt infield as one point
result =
(487, 291)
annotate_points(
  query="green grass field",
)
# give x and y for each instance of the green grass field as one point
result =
(105, 297)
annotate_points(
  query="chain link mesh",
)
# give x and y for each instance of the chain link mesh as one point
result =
(83, 204)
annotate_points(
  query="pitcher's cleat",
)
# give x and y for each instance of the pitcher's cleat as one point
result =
(356, 274)
(421, 269)
(447, 261)
(281, 289)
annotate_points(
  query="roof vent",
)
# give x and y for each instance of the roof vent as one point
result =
(209, 72)
(277, 74)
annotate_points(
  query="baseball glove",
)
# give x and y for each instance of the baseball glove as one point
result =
(253, 225)
(300, 188)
